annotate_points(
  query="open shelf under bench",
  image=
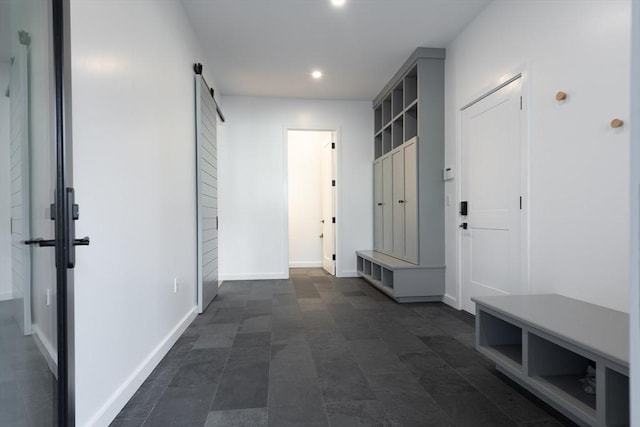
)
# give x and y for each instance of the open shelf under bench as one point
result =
(546, 343)
(401, 280)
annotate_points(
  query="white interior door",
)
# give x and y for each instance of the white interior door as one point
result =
(491, 184)
(328, 206)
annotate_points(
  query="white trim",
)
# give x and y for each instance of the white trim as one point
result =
(255, 276)
(524, 73)
(451, 301)
(5, 296)
(634, 143)
(46, 348)
(349, 273)
(305, 264)
(114, 404)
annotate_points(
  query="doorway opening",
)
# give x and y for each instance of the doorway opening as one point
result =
(311, 171)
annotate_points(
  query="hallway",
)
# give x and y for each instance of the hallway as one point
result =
(315, 351)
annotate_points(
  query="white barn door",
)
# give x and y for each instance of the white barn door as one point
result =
(207, 193)
(491, 184)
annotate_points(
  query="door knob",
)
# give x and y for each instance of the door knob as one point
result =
(464, 225)
(321, 235)
(401, 201)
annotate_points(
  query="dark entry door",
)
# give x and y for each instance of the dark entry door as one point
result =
(37, 213)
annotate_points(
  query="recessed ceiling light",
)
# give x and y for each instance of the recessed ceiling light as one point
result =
(317, 74)
(338, 3)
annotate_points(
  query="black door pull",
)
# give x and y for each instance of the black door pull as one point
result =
(40, 242)
(464, 225)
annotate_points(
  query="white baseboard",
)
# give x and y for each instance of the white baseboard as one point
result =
(255, 276)
(106, 414)
(4, 296)
(349, 273)
(305, 264)
(46, 348)
(449, 300)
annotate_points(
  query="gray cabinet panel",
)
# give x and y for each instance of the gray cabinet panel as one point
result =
(411, 202)
(398, 203)
(377, 206)
(387, 205)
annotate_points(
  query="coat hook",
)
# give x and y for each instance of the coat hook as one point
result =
(561, 96)
(616, 123)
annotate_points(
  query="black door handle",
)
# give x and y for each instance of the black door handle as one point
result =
(401, 201)
(40, 242)
(379, 204)
(81, 242)
(463, 226)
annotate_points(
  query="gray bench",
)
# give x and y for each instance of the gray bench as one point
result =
(546, 342)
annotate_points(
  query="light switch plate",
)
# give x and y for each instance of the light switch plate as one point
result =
(447, 174)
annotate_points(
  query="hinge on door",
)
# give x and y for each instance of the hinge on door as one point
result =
(333, 257)
(333, 182)
(521, 102)
(217, 225)
(333, 145)
(333, 220)
(520, 202)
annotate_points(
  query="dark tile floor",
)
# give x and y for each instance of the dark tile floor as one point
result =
(317, 351)
(27, 385)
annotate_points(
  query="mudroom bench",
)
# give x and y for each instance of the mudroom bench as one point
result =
(548, 343)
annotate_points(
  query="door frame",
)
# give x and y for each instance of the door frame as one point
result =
(336, 130)
(524, 75)
(61, 49)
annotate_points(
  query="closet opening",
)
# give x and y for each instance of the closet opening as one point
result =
(311, 172)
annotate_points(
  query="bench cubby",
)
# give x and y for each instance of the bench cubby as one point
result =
(546, 343)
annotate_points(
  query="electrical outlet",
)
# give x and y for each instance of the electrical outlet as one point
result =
(175, 285)
(48, 296)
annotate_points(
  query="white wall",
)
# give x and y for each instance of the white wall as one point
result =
(134, 172)
(253, 188)
(579, 173)
(5, 187)
(33, 17)
(304, 179)
(634, 326)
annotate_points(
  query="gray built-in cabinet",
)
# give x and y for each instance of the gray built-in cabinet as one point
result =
(407, 260)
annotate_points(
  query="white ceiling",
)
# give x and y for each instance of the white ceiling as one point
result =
(270, 47)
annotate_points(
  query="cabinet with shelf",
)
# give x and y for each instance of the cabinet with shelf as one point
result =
(409, 197)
